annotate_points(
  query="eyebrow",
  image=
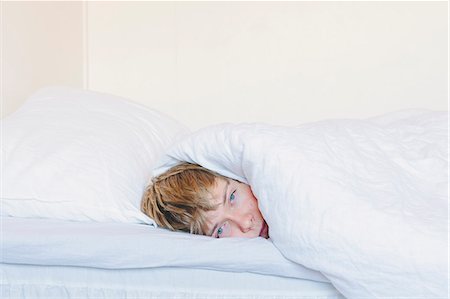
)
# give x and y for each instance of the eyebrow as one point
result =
(223, 203)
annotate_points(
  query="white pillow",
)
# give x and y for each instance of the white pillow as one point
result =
(78, 155)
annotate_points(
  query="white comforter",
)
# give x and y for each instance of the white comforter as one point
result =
(362, 201)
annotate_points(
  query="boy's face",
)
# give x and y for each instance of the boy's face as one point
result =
(238, 214)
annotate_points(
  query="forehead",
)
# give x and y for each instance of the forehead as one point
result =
(218, 189)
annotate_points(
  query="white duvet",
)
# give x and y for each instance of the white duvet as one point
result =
(365, 202)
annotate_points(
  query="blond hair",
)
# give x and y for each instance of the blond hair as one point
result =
(179, 198)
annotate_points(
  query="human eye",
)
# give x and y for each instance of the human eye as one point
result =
(223, 231)
(232, 196)
(219, 232)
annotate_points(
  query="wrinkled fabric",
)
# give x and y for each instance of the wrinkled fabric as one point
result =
(365, 202)
(52, 242)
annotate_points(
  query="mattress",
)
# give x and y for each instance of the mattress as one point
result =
(52, 242)
(46, 258)
(28, 281)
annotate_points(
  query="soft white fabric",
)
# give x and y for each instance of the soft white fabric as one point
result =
(362, 201)
(79, 155)
(27, 281)
(130, 246)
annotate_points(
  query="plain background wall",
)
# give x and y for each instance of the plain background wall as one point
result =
(41, 45)
(278, 62)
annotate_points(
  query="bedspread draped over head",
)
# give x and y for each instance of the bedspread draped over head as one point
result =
(362, 201)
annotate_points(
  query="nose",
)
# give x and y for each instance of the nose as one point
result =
(245, 222)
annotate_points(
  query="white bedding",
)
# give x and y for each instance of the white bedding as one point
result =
(79, 155)
(28, 281)
(133, 246)
(365, 202)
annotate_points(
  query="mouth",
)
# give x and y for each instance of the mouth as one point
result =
(264, 230)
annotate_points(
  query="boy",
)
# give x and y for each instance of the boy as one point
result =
(194, 199)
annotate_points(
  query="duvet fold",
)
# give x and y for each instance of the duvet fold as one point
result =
(365, 202)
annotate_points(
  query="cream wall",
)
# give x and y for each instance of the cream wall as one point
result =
(209, 62)
(41, 45)
(280, 62)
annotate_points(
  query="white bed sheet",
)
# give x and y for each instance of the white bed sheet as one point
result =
(27, 281)
(132, 246)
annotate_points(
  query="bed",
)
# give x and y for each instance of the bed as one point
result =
(357, 208)
(51, 258)
(75, 164)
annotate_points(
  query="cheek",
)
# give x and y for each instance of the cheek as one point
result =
(235, 231)
(250, 203)
(250, 195)
(228, 230)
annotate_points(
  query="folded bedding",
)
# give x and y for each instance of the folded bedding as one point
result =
(54, 242)
(365, 202)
